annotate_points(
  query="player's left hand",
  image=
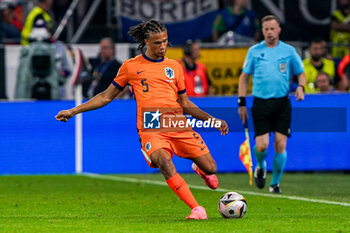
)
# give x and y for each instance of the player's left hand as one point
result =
(299, 93)
(223, 128)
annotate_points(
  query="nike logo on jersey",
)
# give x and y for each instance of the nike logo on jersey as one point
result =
(139, 72)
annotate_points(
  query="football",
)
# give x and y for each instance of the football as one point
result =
(232, 205)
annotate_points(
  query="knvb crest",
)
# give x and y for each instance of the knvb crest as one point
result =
(169, 73)
(151, 120)
(148, 146)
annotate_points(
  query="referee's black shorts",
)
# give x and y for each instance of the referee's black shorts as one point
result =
(271, 115)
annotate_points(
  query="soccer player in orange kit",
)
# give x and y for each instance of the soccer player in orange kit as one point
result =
(158, 82)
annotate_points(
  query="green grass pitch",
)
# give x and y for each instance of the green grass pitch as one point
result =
(84, 204)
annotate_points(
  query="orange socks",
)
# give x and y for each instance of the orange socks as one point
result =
(180, 187)
(201, 172)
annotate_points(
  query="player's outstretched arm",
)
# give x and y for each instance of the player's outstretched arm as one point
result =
(190, 108)
(96, 102)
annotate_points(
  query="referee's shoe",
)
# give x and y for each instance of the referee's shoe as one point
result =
(275, 188)
(260, 177)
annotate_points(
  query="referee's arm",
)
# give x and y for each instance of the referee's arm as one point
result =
(243, 82)
(300, 91)
(242, 91)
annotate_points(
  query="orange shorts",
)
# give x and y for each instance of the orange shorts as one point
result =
(187, 144)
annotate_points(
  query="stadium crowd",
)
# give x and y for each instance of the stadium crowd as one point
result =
(326, 60)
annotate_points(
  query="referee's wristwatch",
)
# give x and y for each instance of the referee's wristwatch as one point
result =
(302, 87)
(241, 101)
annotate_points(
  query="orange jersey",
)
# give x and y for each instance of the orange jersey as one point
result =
(155, 83)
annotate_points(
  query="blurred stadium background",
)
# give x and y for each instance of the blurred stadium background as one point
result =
(37, 148)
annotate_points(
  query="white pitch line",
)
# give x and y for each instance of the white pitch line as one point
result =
(161, 183)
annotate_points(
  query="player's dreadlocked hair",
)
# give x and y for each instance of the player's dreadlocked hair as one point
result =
(141, 31)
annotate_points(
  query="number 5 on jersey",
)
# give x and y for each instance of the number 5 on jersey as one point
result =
(145, 85)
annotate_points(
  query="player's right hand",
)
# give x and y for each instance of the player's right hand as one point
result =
(64, 115)
(243, 114)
